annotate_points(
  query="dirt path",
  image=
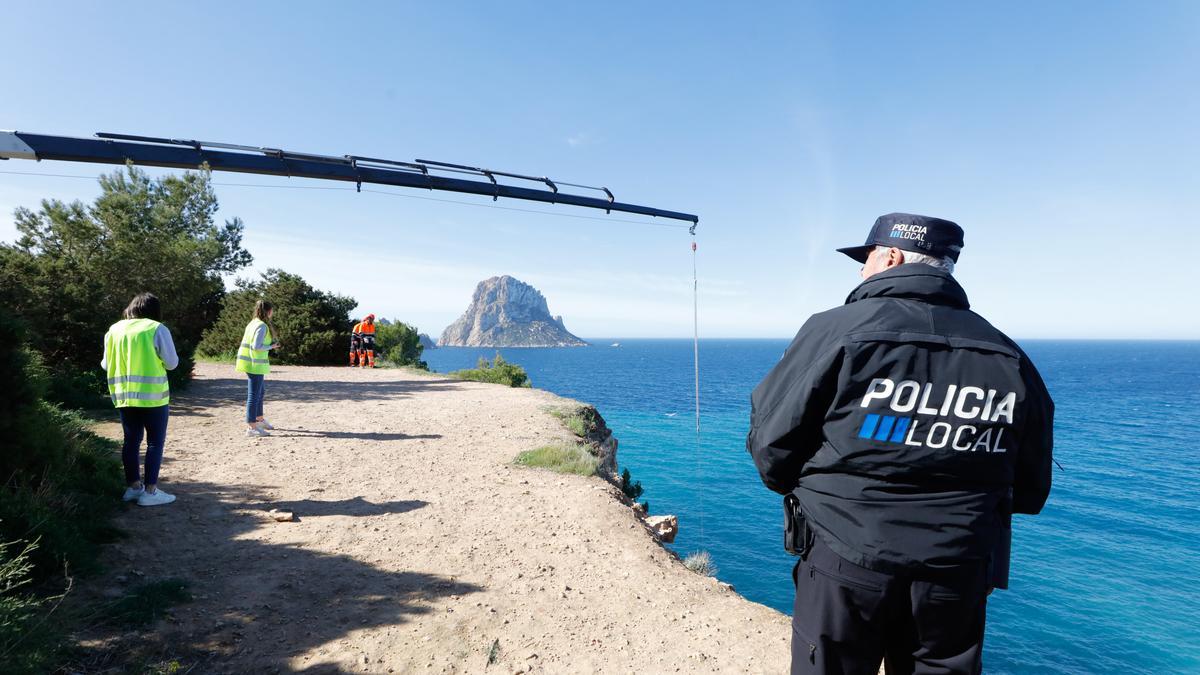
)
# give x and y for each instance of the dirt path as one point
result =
(418, 545)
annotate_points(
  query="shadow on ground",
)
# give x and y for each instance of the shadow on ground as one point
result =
(257, 605)
(215, 392)
(358, 435)
(345, 507)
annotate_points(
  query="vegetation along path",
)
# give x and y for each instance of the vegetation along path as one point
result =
(417, 544)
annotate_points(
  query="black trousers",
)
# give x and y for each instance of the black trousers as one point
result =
(847, 619)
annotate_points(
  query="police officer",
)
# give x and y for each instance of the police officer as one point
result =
(905, 430)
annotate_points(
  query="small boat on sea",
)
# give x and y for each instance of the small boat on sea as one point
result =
(615, 344)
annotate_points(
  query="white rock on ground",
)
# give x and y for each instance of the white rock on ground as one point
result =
(664, 527)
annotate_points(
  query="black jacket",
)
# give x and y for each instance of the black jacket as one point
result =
(909, 428)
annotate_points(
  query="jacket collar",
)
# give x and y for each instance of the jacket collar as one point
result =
(913, 281)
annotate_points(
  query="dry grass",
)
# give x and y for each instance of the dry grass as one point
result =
(572, 458)
(701, 562)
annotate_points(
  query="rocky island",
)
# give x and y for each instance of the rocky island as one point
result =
(506, 312)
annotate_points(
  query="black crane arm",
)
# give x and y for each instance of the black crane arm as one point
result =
(188, 154)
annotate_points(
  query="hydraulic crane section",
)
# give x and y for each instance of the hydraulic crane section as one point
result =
(425, 174)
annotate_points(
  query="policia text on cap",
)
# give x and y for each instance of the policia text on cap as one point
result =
(904, 431)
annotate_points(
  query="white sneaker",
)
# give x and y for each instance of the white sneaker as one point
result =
(131, 494)
(263, 424)
(256, 432)
(156, 498)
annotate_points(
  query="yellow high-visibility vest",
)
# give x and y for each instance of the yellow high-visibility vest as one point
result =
(249, 359)
(137, 378)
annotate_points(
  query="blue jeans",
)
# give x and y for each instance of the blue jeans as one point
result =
(152, 422)
(256, 386)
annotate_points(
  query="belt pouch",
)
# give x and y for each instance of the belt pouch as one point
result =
(796, 534)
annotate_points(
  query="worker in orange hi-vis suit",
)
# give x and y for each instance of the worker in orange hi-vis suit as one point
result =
(366, 332)
(355, 343)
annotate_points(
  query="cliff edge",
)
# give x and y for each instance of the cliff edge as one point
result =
(414, 542)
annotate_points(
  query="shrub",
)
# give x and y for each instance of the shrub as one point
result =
(76, 266)
(701, 563)
(313, 326)
(578, 420)
(18, 609)
(399, 344)
(61, 481)
(63, 485)
(573, 458)
(60, 484)
(577, 425)
(632, 489)
(498, 371)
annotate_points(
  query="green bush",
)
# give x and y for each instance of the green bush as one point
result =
(632, 489)
(575, 458)
(60, 485)
(498, 371)
(25, 644)
(577, 425)
(312, 326)
(579, 420)
(61, 481)
(399, 344)
(65, 486)
(76, 266)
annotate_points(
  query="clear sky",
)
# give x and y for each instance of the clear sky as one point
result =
(1064, 137)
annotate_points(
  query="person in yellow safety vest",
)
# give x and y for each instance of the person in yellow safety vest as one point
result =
(355, 343)
(138, 352)
(254, 360)
(366, 332)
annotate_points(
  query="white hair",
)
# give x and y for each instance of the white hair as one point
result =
(945, 263)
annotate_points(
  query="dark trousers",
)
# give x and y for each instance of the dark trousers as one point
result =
(152, 423)
(256, 388)
(847, 619)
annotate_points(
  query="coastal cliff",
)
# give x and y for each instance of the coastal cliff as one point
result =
(415, 542)
(506, 312)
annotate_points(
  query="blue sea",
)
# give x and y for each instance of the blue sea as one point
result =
(1105, 580)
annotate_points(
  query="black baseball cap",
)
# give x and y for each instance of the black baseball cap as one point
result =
(910, 232)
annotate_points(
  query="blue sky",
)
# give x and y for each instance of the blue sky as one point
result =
(1062, 136)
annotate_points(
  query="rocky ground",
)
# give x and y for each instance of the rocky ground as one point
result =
(417, 546)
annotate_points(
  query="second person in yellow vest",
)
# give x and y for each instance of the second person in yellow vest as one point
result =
(254, 360)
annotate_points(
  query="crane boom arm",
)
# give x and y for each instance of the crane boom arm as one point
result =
(186, 154)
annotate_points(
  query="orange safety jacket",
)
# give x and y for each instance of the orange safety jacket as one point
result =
(366, 328)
